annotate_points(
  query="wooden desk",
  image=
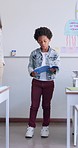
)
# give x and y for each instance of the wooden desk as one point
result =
(72, 99)
(4, 96)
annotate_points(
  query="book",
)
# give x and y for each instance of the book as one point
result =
(44, 69)
(72, 88)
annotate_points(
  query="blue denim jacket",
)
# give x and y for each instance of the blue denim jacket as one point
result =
(36, 58)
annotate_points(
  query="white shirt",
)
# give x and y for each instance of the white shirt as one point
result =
(43, 75)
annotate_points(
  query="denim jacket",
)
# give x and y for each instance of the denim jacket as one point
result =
(36, 58)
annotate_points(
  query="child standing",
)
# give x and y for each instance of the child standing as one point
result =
(42, 83)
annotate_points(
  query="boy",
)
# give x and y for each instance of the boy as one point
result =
(42, 83)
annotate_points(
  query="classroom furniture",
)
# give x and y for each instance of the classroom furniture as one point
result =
(72, 100)
(4, 96)
(75, 124)
(75, 82)
(75, 111)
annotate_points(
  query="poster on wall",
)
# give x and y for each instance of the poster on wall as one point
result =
(71, 36)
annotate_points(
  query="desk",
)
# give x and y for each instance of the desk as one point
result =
(4, 96)
(72, 99)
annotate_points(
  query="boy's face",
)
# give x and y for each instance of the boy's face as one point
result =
(44, 43)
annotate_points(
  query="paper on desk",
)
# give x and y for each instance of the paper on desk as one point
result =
(72, 88)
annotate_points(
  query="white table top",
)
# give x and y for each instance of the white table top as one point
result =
(4, 88)
(74, 90)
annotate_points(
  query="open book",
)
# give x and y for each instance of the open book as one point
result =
(44, 69)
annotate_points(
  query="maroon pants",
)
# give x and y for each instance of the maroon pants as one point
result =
(44, 88)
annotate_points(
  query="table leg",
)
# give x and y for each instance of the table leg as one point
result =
(7, 123)
(68, 126)
(75, 127)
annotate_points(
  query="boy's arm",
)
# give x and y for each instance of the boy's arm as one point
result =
(30, 65)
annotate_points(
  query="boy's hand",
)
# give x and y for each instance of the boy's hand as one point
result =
(53, 70)
(33, 74)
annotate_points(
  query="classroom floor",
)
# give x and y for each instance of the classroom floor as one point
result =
(56, 139)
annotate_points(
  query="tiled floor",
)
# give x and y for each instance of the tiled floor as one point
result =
(56, 139)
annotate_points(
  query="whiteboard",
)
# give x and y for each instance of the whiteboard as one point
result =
(20, 18)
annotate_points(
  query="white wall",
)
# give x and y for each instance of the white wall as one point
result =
(21, 17)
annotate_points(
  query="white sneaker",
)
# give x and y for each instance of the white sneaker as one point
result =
(45, 131)
(30, 132)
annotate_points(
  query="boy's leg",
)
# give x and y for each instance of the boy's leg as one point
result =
(46, 101)
(35, 101)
